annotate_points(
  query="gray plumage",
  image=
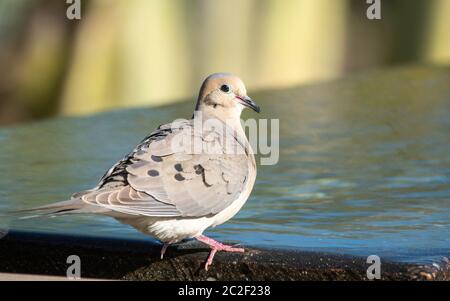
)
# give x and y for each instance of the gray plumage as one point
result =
(157, 179)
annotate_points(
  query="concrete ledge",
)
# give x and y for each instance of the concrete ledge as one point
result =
(29, 277)
(46, 254)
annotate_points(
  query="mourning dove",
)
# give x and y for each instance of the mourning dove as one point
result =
(184, 177)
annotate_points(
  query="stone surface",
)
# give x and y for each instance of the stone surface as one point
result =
(46, 254)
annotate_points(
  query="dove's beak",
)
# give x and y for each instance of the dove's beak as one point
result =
(248, 102)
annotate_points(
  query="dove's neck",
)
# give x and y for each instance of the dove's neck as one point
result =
(232, 122)
(231, 117)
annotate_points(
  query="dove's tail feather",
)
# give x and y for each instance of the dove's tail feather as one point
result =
(59, 208)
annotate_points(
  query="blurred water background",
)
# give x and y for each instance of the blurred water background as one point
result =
(153, 52)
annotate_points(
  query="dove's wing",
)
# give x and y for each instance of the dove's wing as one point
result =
(166, 176)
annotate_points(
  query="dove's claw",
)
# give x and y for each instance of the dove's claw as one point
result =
(163, 250)
(210, 258)
(216, 246)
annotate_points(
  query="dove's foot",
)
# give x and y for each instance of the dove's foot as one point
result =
(163, 250)
(216, 246)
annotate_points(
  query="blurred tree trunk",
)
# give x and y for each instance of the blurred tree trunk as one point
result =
(89, 85)
(127, 53)
(222, 39)
(408, 19)
(154, 55)
(35, 43)
(301, 41)
(437, 44)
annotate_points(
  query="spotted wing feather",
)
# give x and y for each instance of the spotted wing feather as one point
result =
(164, 176)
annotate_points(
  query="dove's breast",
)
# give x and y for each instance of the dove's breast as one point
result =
(234, 208)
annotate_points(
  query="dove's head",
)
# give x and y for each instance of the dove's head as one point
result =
(223, 95)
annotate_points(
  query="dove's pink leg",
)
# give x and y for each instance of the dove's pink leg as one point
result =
(163, 250)
(215, 246)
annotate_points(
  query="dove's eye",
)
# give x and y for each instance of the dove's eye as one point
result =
(225, 88)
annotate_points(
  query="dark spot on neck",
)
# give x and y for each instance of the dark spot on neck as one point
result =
(178, 167)
(212, 103)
